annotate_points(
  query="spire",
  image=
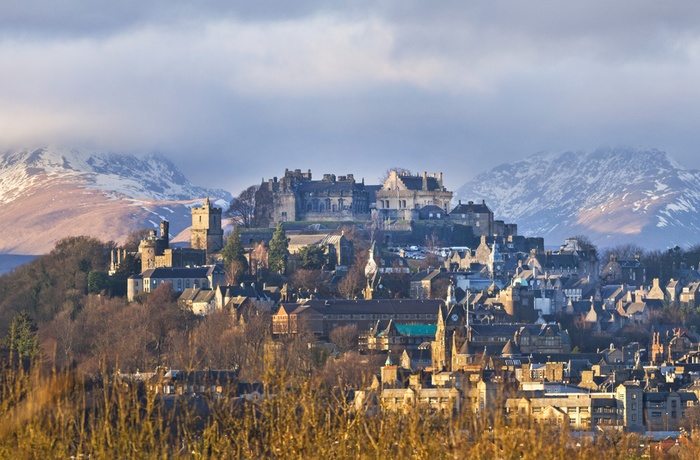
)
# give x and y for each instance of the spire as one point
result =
(451, 296)
(207, 203)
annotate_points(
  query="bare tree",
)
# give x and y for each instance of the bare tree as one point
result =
(234, 271)
(344, 338)
(623, 252)
(352, 283)
(242, 208)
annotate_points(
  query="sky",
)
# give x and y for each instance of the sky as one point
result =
(237, 91)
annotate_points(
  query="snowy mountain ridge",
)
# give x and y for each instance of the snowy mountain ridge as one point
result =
(615, 196)
(49, 193)
(151, 176)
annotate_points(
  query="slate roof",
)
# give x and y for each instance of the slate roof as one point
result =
(165, 273)
(476, 208)
(416, 182)
(425, 275)
(197, 295)
(378, 306)
(510, 349)
(328, 186)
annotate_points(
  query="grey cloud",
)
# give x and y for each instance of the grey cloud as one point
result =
(548, 76)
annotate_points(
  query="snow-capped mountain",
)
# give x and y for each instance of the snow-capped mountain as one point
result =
(50, 193)
(614, 196)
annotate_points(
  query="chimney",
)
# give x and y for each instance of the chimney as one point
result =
(425, 180)
(440, 179)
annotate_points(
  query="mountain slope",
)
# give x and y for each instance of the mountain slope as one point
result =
(615, 196)
(50, 193)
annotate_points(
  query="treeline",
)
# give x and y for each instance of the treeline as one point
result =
(661, 264)
(54, 283)
(57, 321)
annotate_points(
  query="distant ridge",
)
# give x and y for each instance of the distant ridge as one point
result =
(615, 196)
(49, 193)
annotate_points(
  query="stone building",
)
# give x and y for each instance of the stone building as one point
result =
(153, 246)
(479, 217)
(403, 195)
(297, 197)
(206, 231)
(322, 316)
(624, 271)
(179, 279)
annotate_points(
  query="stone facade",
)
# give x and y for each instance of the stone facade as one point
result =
(402, 195)
(157, 253)
(153, 246)
(297, 197)
(206, 231)
(479, 217)
(208, 277)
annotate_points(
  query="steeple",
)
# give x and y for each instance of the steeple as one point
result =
(451, 297)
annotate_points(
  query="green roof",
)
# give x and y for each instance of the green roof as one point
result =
(416, 329)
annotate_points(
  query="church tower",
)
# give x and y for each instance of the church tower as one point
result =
(206, 232)
(439, 349)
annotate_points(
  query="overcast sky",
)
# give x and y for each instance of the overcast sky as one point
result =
(236, 91)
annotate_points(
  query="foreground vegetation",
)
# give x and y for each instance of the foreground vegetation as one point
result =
(59, 416)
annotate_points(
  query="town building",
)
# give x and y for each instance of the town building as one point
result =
(322, 316)
(207, 277)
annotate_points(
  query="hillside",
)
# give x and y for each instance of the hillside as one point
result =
(615, 196)
(49, 193)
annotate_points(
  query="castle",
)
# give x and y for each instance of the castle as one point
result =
(402, 196)
(206, 237)
(297, 197)
(156, 252)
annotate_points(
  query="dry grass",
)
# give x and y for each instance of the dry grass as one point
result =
(58, 416)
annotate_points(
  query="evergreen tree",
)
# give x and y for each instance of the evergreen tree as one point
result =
(233, 252)
(312, 257)
(22, 337)
(279, 250)
(97, 282)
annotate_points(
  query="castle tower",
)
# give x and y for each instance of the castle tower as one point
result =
(206, 232)
(165, 233)
(147, 248)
